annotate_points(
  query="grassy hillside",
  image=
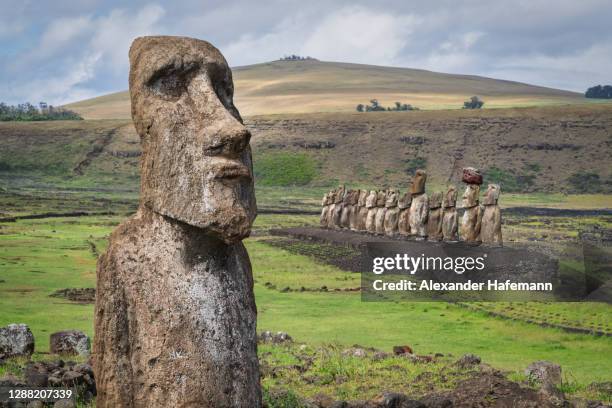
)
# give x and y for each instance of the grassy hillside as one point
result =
(316, 86)
(536, 150)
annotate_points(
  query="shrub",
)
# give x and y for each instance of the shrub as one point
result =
(284, 169)
(585, 183)
(599, 92)
(474, 103)
(415, 164)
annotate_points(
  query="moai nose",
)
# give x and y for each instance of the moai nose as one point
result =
(230, 142)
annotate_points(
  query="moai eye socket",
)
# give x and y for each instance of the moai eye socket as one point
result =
(171, 82)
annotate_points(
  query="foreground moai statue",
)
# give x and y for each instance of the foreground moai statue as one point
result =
(391, 214)
(362, 211)
(403, 222)
(381, 200)
(490, 227)
(371, 201)
(419, 208)
(175, 316)
(434, 219)
(470, 222)
(450, 225)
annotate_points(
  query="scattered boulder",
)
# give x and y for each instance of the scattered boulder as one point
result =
(396, 400)
(83, 295)
(468, 360)
(70, 342)
(36, 375)
(65, 403)
(354, 352)
(276, 338)
(399, 350)
(16, 340)
(544, 372)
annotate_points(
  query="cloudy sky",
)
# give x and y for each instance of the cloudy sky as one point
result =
(61, 51)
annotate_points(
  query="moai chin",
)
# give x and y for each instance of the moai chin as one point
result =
(372, 210)
(175, 316)
(379, 221)
(470, 222)
(362, 212)
(434, 219)
(403, 222)
(490, 228)
(419, 207)
(391, 214)
(449, 216)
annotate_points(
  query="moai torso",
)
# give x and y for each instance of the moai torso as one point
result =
(434, 219)
(175, 316)
(392, 214)
(419, 208)
(490, 228)
(450, 223)
(372, 210)
(362, 213)
(403, 222)
(470, 222)
(380, 212)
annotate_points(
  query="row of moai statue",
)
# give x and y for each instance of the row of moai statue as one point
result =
(415, 214)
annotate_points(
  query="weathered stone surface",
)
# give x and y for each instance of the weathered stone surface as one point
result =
(471, 176)
(450, 224)
(324, 209)
(70, 342)
(354, 211)
(175, 315)
(372, 210)
(277, 338)
(362, 212)
(469, 229)
(346, 209)
(392, 214)
(403, 223)
(419, 207)
(434, 218)
(418, 182)
(379, 221)
(16, 340)
(336, 216)
(544, 372)
(490, 226)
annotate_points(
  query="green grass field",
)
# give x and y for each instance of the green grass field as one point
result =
(38, 257)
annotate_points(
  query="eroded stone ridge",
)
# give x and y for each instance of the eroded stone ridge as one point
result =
(175, 316)
(414, 214)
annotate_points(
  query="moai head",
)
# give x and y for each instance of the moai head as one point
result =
(347, 197)
(361, 201)
(470, 196)
(355, 197)
(450, 198)
(418, 182)
(392, 196)
(435, 200)
(491, 195)
(381, 198)
(405, 200)
(371, 199)
(196, 160)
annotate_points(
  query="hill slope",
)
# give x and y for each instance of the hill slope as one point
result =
(317, 86)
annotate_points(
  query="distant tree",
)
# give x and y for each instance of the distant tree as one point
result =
(360, 107)
(28, 112)
(599, 92)
(474, 103)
